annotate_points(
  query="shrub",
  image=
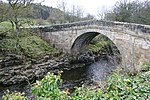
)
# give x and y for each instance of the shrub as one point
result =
(129, 87)
(119, 87)
(14, 96)
(84, 93)
(48, 88)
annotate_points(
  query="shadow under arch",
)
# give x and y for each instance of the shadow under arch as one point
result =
(81, 42)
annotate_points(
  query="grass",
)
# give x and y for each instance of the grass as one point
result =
(30, 46)
(5, 26)
(35, 47)
(101, 45)
(26, 44)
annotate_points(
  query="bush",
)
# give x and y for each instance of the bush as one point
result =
(84, 93)
(14, 96)
(48, 88)
(5, 26)
(119, 87)
(129, 87)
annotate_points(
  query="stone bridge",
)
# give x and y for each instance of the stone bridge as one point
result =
(132, 40)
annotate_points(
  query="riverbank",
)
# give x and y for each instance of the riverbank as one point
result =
(36, 58)
(20, 57)
(77, 76)
(33, 57)
(34, 71)
(118, 86)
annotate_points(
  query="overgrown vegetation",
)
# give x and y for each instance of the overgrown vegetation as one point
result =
(14, 96)
(5, 27)
(31, 46)
(119, 87)
(130, 11)
(101, 45)
(48, 88)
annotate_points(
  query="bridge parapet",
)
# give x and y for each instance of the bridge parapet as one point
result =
(61, 27)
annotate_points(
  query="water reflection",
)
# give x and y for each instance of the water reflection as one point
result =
(95, 72)
(99, 71)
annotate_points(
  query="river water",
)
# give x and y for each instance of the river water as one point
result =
(91, 74)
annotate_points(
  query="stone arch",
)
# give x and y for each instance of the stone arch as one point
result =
(84, 39)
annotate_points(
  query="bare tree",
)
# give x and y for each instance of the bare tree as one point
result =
(126, 11)
(3, 11)
(62, 6)
(18, 9)
(102, 12)
(89, 17)
(79, 12)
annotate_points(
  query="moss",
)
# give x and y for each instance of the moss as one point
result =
(99, 46)
(146, 66)
(34, 47)
(7, 45)
(29, 46)
(5, 26)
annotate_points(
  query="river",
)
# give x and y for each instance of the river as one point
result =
(91, 74)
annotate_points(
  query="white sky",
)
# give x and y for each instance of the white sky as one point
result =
(88, 6)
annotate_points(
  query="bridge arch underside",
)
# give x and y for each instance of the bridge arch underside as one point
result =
(82, 41)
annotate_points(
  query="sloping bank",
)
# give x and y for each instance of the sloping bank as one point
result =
(31, 59)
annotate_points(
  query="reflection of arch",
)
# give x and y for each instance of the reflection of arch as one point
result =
(84, 39)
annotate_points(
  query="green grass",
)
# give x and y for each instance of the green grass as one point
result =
(30, 46)
(5, 26)
(40, 22)
(35, 47)
(100, 47)
(24, 43)
(145, 66)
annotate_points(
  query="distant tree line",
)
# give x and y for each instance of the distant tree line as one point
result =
(18, 10)
(126, 11)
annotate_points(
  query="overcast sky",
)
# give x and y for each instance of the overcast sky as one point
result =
(88, 6)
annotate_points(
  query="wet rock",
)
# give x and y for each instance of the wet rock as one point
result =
(11, 60)
(85, 58)
(18, 73)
